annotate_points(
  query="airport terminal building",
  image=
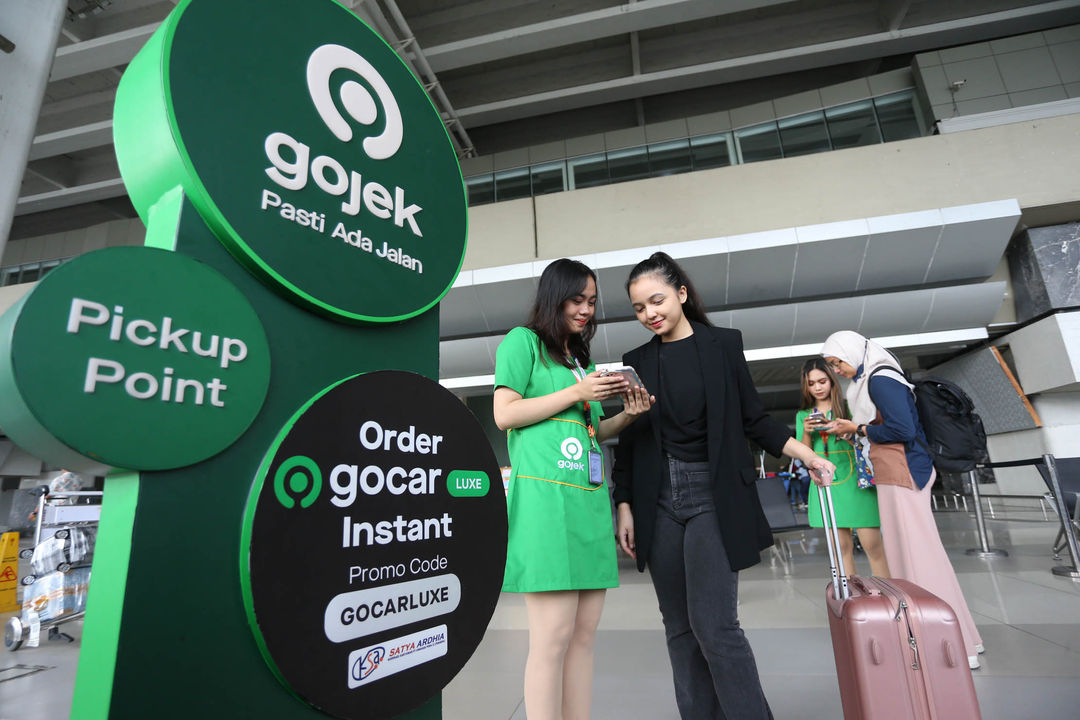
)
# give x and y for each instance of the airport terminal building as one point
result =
(908, 169)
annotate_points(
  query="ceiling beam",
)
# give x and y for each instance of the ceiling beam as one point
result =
(936, 35)
(113, 187)
(583, 27)
(72, 140)
(100, 53)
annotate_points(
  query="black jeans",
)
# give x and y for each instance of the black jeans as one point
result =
(716, 677)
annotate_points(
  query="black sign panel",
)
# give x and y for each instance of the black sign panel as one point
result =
(376, 542)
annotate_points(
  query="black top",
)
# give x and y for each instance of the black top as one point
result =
(734, 414)
(683, 431)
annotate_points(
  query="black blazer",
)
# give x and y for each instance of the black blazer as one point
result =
(734, 413)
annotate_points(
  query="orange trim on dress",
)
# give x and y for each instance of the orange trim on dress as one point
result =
(557, 482)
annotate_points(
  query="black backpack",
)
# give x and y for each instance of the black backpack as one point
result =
(954, 432)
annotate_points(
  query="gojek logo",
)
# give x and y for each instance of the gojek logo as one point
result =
(298, 476)
(571, 448)
(355, 98)
(324, 168)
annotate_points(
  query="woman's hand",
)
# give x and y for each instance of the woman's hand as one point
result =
(821, 471)
(841, 427)
(625, 530)
(809, 427)
(596, 387)
(637, 401)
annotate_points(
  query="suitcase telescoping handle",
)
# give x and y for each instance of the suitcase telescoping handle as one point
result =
(836, 558)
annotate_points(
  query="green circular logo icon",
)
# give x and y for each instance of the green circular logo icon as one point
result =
(131, 357)
(298, 475)
(307, 146)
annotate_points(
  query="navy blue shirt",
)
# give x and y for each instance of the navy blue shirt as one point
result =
(900, 423)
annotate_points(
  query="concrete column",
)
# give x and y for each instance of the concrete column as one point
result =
(33, 26)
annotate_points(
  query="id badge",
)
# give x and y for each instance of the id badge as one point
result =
(596, 468)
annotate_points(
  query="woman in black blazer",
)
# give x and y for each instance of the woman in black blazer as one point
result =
(685, 489)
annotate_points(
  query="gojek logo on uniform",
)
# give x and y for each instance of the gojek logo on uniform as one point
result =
(572, 450)
(331, 176)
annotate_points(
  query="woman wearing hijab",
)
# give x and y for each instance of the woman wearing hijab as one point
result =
(883, 410)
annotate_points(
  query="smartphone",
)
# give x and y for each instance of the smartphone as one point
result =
(629, 373)
(818, 418)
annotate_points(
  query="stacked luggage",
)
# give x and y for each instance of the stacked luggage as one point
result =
(56, 589)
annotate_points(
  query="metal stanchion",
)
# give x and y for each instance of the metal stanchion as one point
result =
(984, 550)
(1069, 571)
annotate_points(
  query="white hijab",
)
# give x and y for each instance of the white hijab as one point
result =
(865, 356)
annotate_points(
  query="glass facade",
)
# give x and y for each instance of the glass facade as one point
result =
(549, 177)
(759, 142)
(853, 125)
(867, 122)
(28, 272)
(588, 171)
(670, 158)
(804, 134)
(710, 151)
(897, 117)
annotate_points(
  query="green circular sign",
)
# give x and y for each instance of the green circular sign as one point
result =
(306, 145)
(132, 357)
(373, 545)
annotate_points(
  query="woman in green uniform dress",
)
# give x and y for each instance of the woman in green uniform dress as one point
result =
(855, 508)
(561, 546)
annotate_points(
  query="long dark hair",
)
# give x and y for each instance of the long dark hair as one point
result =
(562, 280)
(671, 273)
(839, 409)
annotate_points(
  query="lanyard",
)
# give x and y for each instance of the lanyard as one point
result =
(588, 414)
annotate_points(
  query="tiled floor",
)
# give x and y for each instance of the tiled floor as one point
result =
(1029, 619)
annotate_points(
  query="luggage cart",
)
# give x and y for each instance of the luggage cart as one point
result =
(55, 590)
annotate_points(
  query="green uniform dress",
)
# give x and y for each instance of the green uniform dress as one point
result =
(854, 508)
(561, 537)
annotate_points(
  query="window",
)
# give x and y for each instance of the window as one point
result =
(588, 171)
(669, 158)
(47, 266)
(852, 125)
(481, 189)
(512, 184)
(548, 178)
(896, 114)
(710, 151)
(804, 134)
(30, 273)
(759, 142)
(628, 164)
(867, 122)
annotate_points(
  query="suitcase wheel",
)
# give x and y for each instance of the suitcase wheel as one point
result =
(28, 579)
(64, 567)
(13, 634)
(63, 534)
(26, 553)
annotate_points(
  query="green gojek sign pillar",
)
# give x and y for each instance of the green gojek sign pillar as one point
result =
(299, 522)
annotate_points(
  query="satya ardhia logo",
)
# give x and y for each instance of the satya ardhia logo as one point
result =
(323, 166)
(571, 448)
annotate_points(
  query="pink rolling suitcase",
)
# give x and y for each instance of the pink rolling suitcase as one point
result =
(898, 648)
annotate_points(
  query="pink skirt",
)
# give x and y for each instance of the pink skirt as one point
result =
(914, 551)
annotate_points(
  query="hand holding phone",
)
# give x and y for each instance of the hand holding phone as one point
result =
(629, 373)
